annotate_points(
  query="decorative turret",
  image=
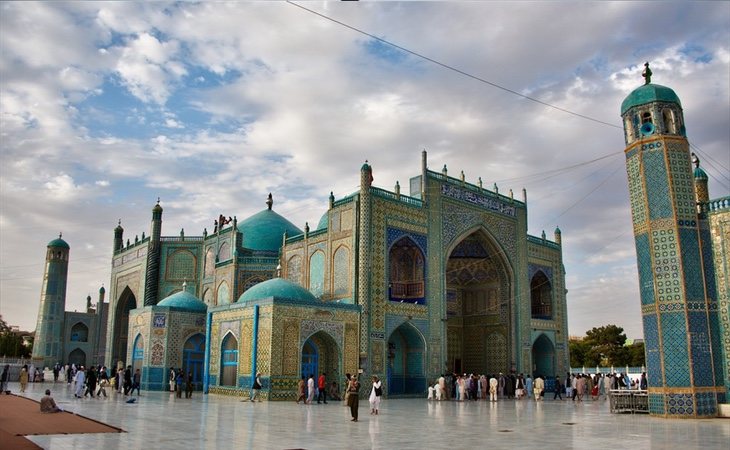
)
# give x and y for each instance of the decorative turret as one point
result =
(118, 237)
(366, 175)
(102, 294)
(702, 193)
(153, 257)
(88, 303)
(331, 200)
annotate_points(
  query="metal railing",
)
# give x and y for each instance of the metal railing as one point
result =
(629, 401)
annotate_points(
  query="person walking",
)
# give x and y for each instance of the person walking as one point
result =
(256, 388)
(179, 384)
(353, 399)
(493, 384)
(302, 388)
(528, 386)
(322, 386)
(23, 378)
(558, 388)
(90, 382)
(189, 385)
(127, 380)
(310, 389)
(539, 387)
(80, 380)
(136, 382)
(375, 393)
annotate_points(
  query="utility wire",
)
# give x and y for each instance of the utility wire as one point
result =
(454, 69)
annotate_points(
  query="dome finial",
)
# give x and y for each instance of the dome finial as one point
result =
(60, 234)
(185, 285)
(270, 201)
(646, 73)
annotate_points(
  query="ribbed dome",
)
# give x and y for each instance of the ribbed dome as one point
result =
(58, 243)
(277, 288)
(184, 300)
(649, 93)
(700, 174)
(264, 231)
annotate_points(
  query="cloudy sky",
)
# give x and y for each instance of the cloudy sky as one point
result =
(107, 106)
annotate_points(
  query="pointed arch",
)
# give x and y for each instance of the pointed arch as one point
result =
(341, 272)
(126, 302)
(209, 268)
(138, 353)
(543, 356)
(193, 358)
(224, 252)
(78, 357)
(229, 360)
(294, 269)
(208, 296)
(316, 273)
(181, 265)
(79, 332)
(406, 361)
(541, 296)
(224, 294)
(407, 270)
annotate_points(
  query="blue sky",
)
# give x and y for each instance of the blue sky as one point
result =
(106, 106)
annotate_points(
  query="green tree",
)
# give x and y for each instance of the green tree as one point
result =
(637, 355)
(11, 343)
(607, 343)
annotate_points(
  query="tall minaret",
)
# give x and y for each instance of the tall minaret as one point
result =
(675, 307)
(153, 257)
(48, 343)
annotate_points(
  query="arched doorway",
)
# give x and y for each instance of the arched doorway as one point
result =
(543, 357)
(79, 332)
(478, 306)
(320, 353)
(138, 353)
(229, 360)
(77, 357)
(406, 361)
(126, 303)
(193, 356)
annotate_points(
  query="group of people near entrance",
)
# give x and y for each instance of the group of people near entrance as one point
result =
(308, 389)
(178, 382)
(513, 386)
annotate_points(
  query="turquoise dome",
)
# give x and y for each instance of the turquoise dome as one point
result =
(184, 300)
(324, 221)
(649, 93)
(277, 288)
(264, 231)
(58, 243)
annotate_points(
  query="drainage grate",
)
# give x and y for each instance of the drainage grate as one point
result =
(568, 423)
(505, 431)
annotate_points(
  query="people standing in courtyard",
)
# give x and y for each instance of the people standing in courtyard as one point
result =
(256, 388)
(23, 378)
(335, 392)
(354, 397)
(4, 378)
(375, 393)
(643, 383)
(346, 395)
(103, 383)
(80, 380)
(301, 388)
(539, 387)
(520, 387)
(90, 382)
(528, 386)
(179, 380)
(493, 385)
(173, 379)
(558, 388)
(189, 385)
(580, 386)
(322, 386)
(310, 389)
(136, 382)
(48, 405)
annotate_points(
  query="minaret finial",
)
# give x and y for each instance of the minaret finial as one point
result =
(270, 201)
(646, 73)
(695, 160)
(158, 200)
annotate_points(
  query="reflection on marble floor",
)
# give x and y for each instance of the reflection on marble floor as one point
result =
(161, 421)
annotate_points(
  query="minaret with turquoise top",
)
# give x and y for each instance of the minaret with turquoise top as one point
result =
(675, 307)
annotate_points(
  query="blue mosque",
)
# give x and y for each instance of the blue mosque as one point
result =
(409, 286)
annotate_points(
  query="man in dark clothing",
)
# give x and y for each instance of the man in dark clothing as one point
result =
(558, 388)
(90, 382)
(127, 380)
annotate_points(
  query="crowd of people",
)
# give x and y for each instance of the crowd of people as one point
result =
(518, 386)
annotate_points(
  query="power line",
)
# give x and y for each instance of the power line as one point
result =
(454, 69)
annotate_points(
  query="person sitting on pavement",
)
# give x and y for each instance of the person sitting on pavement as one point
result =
(48, 405)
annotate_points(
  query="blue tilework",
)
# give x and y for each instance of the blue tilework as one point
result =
(708, 264)
(700, 349)
(653, 357)
(316, 274)
(341, 269)
(394, 234)
(680, 404)
(666, 265)
(532, 269)
(716, 345)
(646, 280)
(657, 405)
(657, 187)
(691, 265)
(706, 403)
(676, 360)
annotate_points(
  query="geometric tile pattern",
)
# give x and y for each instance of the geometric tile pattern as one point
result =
(657, 188)
(676, 359)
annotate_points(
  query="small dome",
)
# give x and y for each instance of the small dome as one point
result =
(184, 300)
(102, 290)
(324, 221)
(58, 243)
(700, 174)
(277, 288)
(649, 93)
(264, 231)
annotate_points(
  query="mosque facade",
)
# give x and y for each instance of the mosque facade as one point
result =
(682, 253)
(405, 287)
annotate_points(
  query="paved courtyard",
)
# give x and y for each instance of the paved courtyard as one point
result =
(161, 421)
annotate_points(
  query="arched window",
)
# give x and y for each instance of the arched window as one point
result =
(208, 297)
(229, 360)
(406, 272)
(316, 274)
(341, 272)
(138, 353)
(80, 333)
(224, 253)
(541, 295)
(668, 117)
(224, 295)
(646, 117)
(209, 262)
